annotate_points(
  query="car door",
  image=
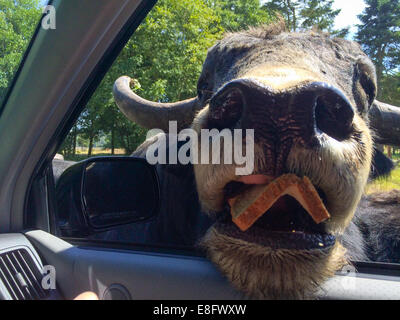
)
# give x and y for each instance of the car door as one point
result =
(59, 72)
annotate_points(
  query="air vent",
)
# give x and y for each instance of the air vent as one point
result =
(21, 276)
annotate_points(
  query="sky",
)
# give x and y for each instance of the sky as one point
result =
(348, 15)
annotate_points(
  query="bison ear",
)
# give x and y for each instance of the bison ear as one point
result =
(381, 165)
(365, 85)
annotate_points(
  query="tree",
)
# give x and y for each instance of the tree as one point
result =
(390, 88)
(379, 35)
(306, 14)
(18, 20)
(240, 14)
(288, 9)
(165, 55)
(320, 14)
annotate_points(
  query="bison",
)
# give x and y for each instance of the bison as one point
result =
(310, 99)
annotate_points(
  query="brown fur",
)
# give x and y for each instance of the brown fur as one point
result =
(262, 272)
(378, 218)
(340, 169)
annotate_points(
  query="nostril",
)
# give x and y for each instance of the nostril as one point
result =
(226, 108)
(334, 115)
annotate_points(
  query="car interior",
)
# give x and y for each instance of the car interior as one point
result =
(61, 227)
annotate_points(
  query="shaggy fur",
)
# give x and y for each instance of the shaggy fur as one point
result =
(339, 168)
(378, 219)
(262, 272)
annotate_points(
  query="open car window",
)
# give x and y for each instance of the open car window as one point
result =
(164, 58)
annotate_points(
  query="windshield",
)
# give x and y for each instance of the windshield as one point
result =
(18, 20)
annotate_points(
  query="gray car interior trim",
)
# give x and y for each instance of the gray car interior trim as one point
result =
(165, 276)
(144, 275)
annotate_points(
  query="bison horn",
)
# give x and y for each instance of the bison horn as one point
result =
(385, 121)
(153, 115)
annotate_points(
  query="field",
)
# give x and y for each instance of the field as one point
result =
(81, 153)
(389, 183)
(97, 151)
(382, 184)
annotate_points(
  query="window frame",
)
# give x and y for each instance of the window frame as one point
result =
(43, 174)
(42, 168)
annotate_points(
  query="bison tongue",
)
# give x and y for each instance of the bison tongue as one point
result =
(256, 179)
(250, 205)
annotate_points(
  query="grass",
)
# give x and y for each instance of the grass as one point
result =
(388, 183)
(379, 185)
(81, 153)
(97, 151)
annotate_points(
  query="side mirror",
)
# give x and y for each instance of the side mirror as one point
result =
(101, 193)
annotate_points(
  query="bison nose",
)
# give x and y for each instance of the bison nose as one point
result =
(306, 111)
(333, 113)
(227, 105)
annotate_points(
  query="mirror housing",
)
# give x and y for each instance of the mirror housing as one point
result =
(101, 193)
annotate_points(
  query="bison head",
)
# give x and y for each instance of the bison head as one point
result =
(307, 97)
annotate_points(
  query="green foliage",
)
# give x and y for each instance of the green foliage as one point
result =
(390, 88)
(316, 13)
(239, 14)
(165, 55)
(387, 183)
(379, 35)
(306, 14)
(289, 9)
(18, 20)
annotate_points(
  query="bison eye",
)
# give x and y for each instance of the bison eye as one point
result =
(226, 108)
(202, 91)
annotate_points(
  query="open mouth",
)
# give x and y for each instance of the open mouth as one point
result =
(286, 224)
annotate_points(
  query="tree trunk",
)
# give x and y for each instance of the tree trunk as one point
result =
(74, 140)
(121, 136)
(90, 150)
(291, 7)
(128, 145)
(379, 68)
(294, 19)
(113, 141)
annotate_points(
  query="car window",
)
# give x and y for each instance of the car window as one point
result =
(164, 56)
(18, 20)
(165, 59)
